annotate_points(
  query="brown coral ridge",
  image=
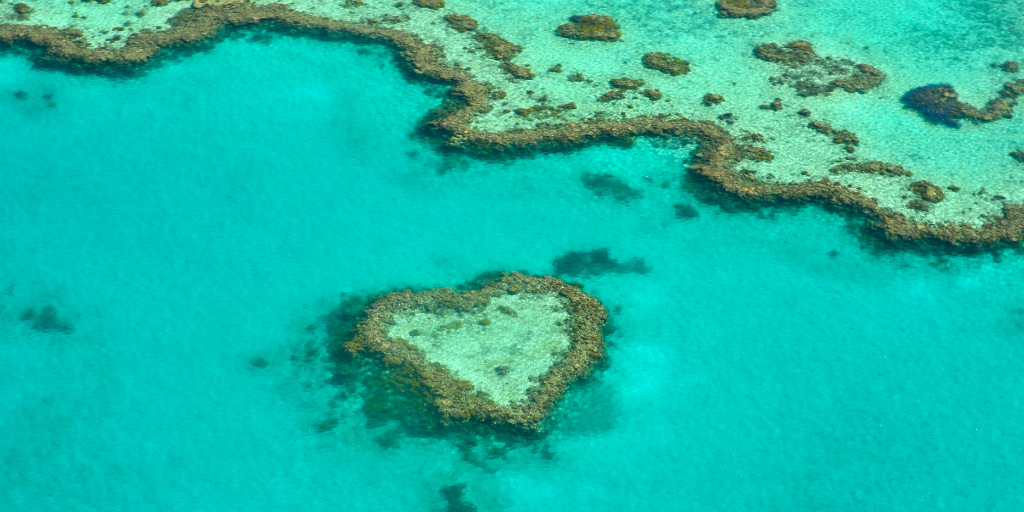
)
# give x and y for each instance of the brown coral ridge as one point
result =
(461, 22)
(872, 167)
(844, 138)
(666, 63)
(940, 103)
(430, 4)
(591, 27)
(811, 74)
(714, 160)
(750, 9)
(454, 399)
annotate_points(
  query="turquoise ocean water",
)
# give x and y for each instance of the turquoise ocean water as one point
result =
(185, 221)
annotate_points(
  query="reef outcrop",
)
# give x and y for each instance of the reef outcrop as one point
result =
(540, 336)
(666, 63)
(940, 103)
(813, 75)
(461, 22)
(750, 9)
(591, 27)
(872, 167)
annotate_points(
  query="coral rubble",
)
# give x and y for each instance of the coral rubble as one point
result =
(591, 27)
(812, 75)
(750, 9)
(508, 373)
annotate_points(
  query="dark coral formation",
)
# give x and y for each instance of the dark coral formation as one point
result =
(625, 83)
(940, 103)
(844, 138)
(611, 96)
(872, 167)
(928, 191)
(864, 77)
(666, 63)
(1010, 66)
(652, 94)
(775, 105)
(714, 161)
(46, 320)
(811, 74)
(453, 496)
(796, 53)
(461, 22)
(595, 263)
(21, 11)
(497, 46)
(609, 185)
(1018, 155)
(517, 71)
(431, 4)
(455, 400)
(591, 27)
(712, 99)
(750, 9)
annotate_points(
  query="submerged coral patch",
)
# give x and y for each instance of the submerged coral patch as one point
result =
(812, 75)
(510, 370)
(591, 27)
(597, 262)
(750, 9)
(872, 167)
(666, 63)
(461, 22)
(941, 104)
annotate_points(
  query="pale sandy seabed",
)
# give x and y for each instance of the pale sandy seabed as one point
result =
(974, 157)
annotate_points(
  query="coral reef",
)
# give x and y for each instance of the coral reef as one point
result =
(928, 191)
(775, 105)
(497, 46)
(517, 71)
(21, 11)
(1018, 155)
(1010, 66)
(872, 167)
(844, 138)
(611, 96)
(652, 94)
(812, 75)
(453, 497)
(458, 401)
(666, 63)
(626, 83)
(461, 22)
(46, 320)
(609, 185)
(940, 103)
(712, 99)
(591, 27)
(713, 165)
(750, 9)
(686, 211)
(595, 263)
(430, 4)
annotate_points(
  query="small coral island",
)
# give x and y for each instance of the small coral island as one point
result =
(502, 354)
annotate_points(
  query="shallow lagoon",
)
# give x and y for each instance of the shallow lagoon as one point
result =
(206, 213)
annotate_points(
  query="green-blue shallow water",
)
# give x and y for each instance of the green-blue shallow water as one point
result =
(188, 220)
